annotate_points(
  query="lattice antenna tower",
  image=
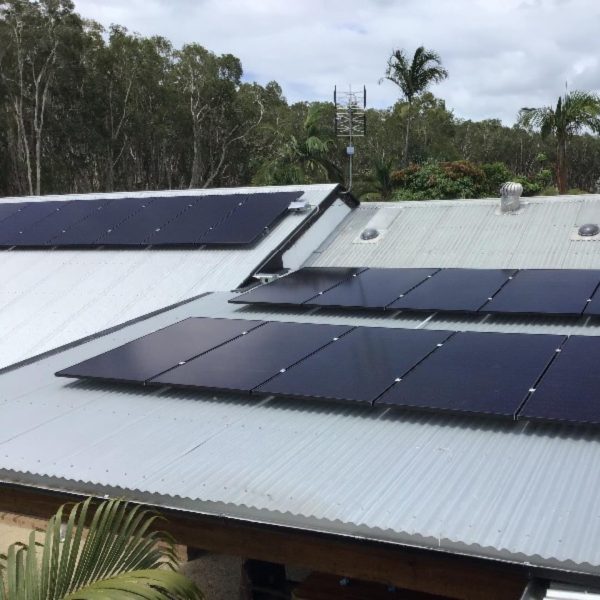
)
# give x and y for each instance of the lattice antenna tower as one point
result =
(350, 119)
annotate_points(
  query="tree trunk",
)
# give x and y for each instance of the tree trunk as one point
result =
(195, 177)
(561, 167)
(407, 135)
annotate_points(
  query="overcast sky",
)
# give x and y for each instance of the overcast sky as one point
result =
(501, 54)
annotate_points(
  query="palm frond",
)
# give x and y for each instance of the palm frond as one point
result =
(118, 555)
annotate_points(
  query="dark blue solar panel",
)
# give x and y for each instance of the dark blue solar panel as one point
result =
(546, 291)
(372, 288)
(254, 358)
(455, 290)
(188, 226)
(570, 389)
(42, 221)
(106, 216)
(148, 356)
(358, 366)
(10, 208)
(489, 373)
(250, 218)
(297, 287)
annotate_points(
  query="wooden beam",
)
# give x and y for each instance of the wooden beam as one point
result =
(431, 572)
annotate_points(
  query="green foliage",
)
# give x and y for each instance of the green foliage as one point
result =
(434, 180)
(118, 557)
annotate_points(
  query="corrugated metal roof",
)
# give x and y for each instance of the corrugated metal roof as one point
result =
(468, 233)
(49, 298)
(514, 491)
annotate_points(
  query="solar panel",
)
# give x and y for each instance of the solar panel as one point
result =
(250, 219)
(546, 291)
(188, 226)
(9, 208)
(569, 390)
(455, 290)
(41, 233)
(253, 359)
(489, 373)
(297, 287)
(372, 288)
(12, 226)
(106, 216)
(148, 356)
(358, 366)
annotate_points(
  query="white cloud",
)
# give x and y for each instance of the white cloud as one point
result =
(501, 54)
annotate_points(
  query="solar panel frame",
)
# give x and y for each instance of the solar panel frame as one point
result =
(455, 290)
(245, 364)
(146, 357)
(358, 367)
(298, 287)
(545, 292)
(372, 288)
(569, 389)
(476, 373)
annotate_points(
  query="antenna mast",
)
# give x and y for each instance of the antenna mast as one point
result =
(350, 120)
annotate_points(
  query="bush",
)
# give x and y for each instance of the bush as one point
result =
(444, 180)
(496, 174)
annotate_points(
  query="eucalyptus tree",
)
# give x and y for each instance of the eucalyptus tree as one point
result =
(413, 77)
(34, 43)
(575, 112)
(113, 553)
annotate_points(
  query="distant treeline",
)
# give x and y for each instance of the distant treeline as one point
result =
(85, 110)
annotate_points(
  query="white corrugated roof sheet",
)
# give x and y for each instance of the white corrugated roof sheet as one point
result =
(467, 233)
(514, 491)
(49, 298)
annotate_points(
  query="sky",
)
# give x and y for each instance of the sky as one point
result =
(501, 54)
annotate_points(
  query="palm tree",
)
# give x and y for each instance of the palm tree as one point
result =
(302, 159)
(117, 557)
(378, 180)
(413, 78)
(573, 113)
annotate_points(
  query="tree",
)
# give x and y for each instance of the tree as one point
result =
(303, 158)
(117, 557)
(574, 112)
(33, 38)
(413, 78)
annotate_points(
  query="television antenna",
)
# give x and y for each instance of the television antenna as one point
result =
(350, 119)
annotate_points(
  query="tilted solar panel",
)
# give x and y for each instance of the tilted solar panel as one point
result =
(569, 390)
(9, 208)
(485, 373)
(148, 356)
(250, 218)
(297, 287)
(358, 366)
(464, 290)
(14, 226)
(372, 288)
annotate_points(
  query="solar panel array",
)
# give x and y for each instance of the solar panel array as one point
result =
(537, 377)
(527, 291)
(186, 220)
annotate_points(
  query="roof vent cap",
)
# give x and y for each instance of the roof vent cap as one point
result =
(588, 230)
(369, 234)
(510, 196)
